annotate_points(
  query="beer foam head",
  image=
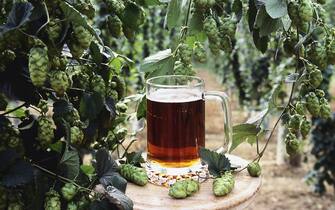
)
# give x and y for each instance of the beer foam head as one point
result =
(178, 95)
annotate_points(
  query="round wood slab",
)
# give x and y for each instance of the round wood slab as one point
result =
(156, 197)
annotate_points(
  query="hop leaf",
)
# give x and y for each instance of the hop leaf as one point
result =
(217, 163)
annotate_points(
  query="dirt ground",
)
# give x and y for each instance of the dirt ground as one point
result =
(283, 186)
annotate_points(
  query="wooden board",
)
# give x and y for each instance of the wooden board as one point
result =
(156, 197)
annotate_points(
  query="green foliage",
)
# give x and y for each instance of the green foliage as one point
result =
(217, 163)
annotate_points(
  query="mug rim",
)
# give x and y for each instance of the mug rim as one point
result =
(200, 82)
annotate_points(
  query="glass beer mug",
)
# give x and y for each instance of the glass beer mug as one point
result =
(176, 122)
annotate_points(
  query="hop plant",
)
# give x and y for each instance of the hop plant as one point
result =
(114, 25)
(228, 27)
(204, 4)
(69, 190)
(317, 54)
(77, 135)
(45, 132)
(121, 133)
(223, 185)
(120, 86)
(80, 41)
(183, 69)
(183, 188)
(185, 53)
(54, 29)
(294, 122)
(331, 51)
(293, 11)
(134, 174)
(72, 206)
(254, 169)
(199, 52)
(115, 6)
(313, 104)
(38, 65)
(86, 7)
(121, 107)
(315, 78)
(300, 108)
(212, 32)
(325, 110)
(305, 127)
(9, 136)
(305, 11)
(292, 144)
(52, 200)
(60, 82)
(98, 85)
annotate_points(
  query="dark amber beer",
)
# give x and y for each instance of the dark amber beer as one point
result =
(176, 127)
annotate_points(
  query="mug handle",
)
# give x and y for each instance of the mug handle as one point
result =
(228, 131)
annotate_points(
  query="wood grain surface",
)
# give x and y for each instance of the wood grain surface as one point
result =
(156, 197)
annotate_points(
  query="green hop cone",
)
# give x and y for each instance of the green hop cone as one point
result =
(43, 106)
(134, 174)
(300, 108)
(38, 65)
(254, 169)
(121, 107)
(86, 7)
(72, 206)
(183, 69)
(52, 201)
(226, 44)
(98, 85)
(315, 78)
(120, 86)
(305, 127)
(192, 186)
(178, 190)
(60, 82)
(77, 135)
(319, 93)
(112, 93)
(317, 54)
(228, 27)
(8, 55)
(114, 25)
(290, 43)
(210, 28)
(83, 36)
(45, 132)
(325, 110)
(294, 122)
(121, 133)
(199, 52)
(292, 144)
(183, 188)
(331, 51)
(80, 40)
(313, 104)
(185, 53)
(69, 190)
(83, 203)
(223, 185)
(201, 4)
(3, 102)
(115, 6)
(54, 29)
(305, 11)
